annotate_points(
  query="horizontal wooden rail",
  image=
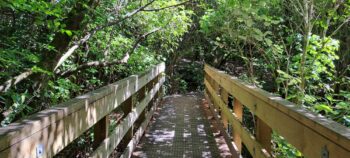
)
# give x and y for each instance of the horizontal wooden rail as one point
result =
(314, 135)
(46, 133)
(109, 144)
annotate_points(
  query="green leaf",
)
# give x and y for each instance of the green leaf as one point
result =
(249, 22)
(57, 23)
(298, 154)
(343, 105)
(267, 24)
(310, 98)
(68, 32)
(268, 41)
(36, 69)
(324, 107)
(329, 97)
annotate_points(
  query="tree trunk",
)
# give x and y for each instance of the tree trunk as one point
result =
(61, 41)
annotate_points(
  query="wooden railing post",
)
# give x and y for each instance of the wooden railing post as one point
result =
(238, 110)
(263, 134)
(224, 96)
(206, 77)
(100, 131)
(160, 92)
(216, 87)
(140, 96)
(127, 108)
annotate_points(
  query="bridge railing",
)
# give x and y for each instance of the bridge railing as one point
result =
(47, 132)
(314, 135)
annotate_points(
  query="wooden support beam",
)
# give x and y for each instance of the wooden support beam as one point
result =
(255, 148)
(141, 93)
(263, 134)
(100, 131)
(216, 87)
(224, 97)
(127, 107)
(110, 143)
(227, 138)
(127, 153)
(238, 111)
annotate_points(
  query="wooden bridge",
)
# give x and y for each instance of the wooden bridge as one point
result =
(180, 127)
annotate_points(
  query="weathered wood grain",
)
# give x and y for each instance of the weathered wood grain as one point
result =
(100, 131)
(238, 111)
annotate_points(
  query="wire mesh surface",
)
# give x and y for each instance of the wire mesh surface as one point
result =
(180, 129)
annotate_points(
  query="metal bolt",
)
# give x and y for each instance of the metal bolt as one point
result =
(324, 152)
(40, 150)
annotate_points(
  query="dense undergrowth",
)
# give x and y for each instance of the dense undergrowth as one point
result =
(51, 51)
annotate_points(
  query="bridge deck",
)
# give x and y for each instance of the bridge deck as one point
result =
(181, 129)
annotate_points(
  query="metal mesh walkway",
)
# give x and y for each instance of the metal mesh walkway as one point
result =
(180, 129)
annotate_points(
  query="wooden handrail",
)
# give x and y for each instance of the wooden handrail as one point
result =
(314, 135)
(47, 132)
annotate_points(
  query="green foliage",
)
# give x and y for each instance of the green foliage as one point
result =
(18, 107)
(183, 85)
(61, 90)
(267, 39)
(35, 35)
(320, 68)
(283, 149)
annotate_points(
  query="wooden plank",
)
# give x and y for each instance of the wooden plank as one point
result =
(311, 133)
(100, 131)
(224, 97)
(263, 134)
(141, 93)
(109, 144)
(141, 118)
(216, 86)
(55, 128)
(238, 111)
(127, 107)
(161, 91)
(255, 149)
(223, 132)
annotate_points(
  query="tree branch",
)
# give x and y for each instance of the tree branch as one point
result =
(13, 81)
(340, 26)
(167, 7)
(108, 63)
(128, 15)
(93, 31)
(72, 49)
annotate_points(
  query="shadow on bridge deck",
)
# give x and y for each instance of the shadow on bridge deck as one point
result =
(180, 129)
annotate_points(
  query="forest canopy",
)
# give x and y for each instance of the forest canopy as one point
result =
(52, 51)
